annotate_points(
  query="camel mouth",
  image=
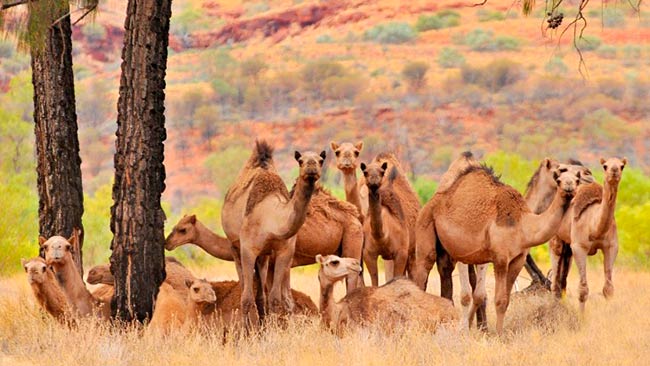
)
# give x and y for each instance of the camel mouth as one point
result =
(356, 268)
(345, 166)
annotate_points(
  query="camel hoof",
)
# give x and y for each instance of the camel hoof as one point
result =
(608, 292)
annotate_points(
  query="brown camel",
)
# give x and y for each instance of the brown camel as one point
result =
(58, 255)
(394, 303)
(346, 161)
(385, 228)
(477, 219)
(591, 226)
(539, 195)
(104, 295)
(331, 227)
(46, 289)
(177, 311)
(260, 219)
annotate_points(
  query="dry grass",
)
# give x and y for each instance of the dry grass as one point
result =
(539, 331)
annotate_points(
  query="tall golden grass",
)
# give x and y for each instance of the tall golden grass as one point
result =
(539, 331)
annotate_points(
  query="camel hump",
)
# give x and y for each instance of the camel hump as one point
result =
(458, 166)
(587, 195)
(262, 155)
(510, 206)
(264, 183)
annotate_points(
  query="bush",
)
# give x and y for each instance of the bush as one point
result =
(484, 41)
(506, 43)
(415, 74)
(612, 88)
(342, 87)
(450, 58)
(589, 43)
(613, 17)
(315, 73)
(252, 67)
(439, 20)
(485, 15)
(494, 76)
(391, 33)
(7, 48)
(94, 32)
(607, 52)
(324, 38)
(631, 54)
(556, 66)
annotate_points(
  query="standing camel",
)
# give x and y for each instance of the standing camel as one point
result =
(477, 219)
(590, 226)
(260, 219)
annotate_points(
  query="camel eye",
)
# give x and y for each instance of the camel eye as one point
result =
(337, 153)
(356, 154)
(196, 289)
(182, 231)
(334, 263)
(623, 167)
(562, 170)
(43, 269)
(605, 167)
(67, 247)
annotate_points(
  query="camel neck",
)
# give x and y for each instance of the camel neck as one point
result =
(212, 243)
(540, 228)
(374, 212)
(539, 199)
(326, 304)
(298, 206)
(50, 295)
(606, 211)
(72, 284)
(350, 183)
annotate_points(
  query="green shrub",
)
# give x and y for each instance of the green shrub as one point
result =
(607, 52)
(485, 15)
(7, 48)
(613, 17)
(415, 74)
(556, 66)
(506, 43)
(425, 188)
(588, 43)
(315, 73)
(484, 41)
(391, 33)
(324, 38)
(439, 20)
(450, 58)
(494, 76)
(94, 32)
(253, 67)
(341, 88)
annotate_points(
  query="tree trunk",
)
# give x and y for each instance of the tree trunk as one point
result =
(137, 219)
(60, 193)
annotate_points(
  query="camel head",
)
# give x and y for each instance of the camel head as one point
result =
(374, 173)
(201, 291)
(183, 233)
(36, 269)
(98, 274)
(576, 166)
(310, 164)
(613, 168)
(334, 268)
(567, 182)
(57, 249)
(346, 155)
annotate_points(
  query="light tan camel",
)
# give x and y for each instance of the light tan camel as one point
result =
(58, 255)
(591, 226)
(189, 230)
(385, 228)
(175, 311)
(104, 295)
(259, 218)
(477, 219)
(46, 289)
(347, 155)
(396, 302)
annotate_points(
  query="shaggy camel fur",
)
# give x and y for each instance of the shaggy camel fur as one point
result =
(46, 288)
(501, 229)
(179, 312)
(396, 302)
(385, 228)
(346, 161)
(539, 195)
(58, 255)
(589, 227)
(260, 219)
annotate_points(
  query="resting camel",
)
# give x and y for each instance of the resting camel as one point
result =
(46, 288)
(58, 255)
(477, 219)
(175, 311)
(539, 195)
(590, 226)
(331, 227)
(260, 219)
(394, 303)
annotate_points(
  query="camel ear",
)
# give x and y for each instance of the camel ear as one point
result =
(73, 239)
(556, 174)
(624, 161)
(23, 262)
(297, 156)
(359, 146)
(193, 219)
(547, 163)
(384, 166)
(323, 154)
(319, 259)
(363, 167)
(602, 161)
(188, 283)
(41, 240)
(334, 146)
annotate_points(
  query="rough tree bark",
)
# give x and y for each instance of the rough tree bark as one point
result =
(58, 168)
(137, 219)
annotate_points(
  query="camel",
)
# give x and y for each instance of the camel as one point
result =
(260, 219)
(179, 312)
(58, 255)
(501, 230)
(394, 303)
(346, 161)
(589, 227)
(331, 227)
(104, 295)
(539, 195)
(46, 289)
(385, 229)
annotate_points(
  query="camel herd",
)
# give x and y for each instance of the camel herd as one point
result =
(473, 219)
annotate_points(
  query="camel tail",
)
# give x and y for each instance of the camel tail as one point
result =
(263, 154)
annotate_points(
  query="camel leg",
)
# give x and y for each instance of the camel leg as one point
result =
(536, 273)
(250, 316)
(283, 258)
(555, 246)
(445, 269)
(371, 263)
(479, 297)
(501, 295)
(389, 270)
(399, 264)
(580, 256)
(260, 300)
(609, 255)
(465, 295)
(237, 258)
